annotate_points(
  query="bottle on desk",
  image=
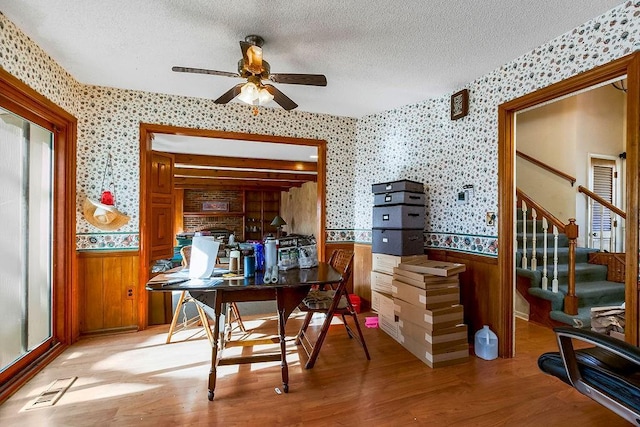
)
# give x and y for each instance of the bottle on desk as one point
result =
(234, 261)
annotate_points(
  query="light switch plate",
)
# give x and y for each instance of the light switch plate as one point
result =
(490, 219)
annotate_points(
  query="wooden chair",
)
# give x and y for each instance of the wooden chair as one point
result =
(186, 298)
(334, 300)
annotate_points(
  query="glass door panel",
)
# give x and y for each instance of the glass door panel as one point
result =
(25, 242)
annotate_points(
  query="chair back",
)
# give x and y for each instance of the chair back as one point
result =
(342, 261)
(185, 251)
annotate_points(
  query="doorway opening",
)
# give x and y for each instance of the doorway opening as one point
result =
(629, 66)
(562, 147)
(259, 169)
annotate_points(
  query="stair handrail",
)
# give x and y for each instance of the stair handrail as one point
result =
(545, 166)
(571, 231)
(602, 201)
(545, 213)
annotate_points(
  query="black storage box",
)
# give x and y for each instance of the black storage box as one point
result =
(398, 216)
(397, 242)
(398, 198)
(403, 185)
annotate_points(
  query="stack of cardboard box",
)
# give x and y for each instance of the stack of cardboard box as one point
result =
(397, 236)
(381, 289)
(430, 319)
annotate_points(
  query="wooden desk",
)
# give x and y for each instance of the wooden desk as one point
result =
(291, 288)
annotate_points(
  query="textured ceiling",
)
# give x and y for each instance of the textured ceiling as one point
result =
(376, 54)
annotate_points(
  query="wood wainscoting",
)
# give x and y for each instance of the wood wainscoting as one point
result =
(362, 274)
(108, 291)
(478, 286)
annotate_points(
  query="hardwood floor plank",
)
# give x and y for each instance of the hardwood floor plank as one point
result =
(137, 380)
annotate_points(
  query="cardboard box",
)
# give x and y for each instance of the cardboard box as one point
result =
(397, 198)
(398, 217)
(424, 281)
(382, 304)
(384, 263)
(389, 325)
(381, 282)
(454, 355)
(431, 320)
(430, 299)
(401, 185)
(437, 268)
(397, 242)
(435, 342)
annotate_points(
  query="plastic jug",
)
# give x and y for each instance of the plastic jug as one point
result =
(486, 344)
(270, 253)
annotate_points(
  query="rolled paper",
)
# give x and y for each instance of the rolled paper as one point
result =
(274, 274)
(267, 276)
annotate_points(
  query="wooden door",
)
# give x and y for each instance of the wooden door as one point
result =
(161, 207)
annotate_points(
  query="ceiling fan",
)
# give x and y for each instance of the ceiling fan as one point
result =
(253, 68)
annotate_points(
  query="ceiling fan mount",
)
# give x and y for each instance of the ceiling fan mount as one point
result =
(254, 69)
(254, 40)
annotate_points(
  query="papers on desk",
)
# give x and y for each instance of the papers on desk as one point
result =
(204, 251)
(185, 274)
(193, 283)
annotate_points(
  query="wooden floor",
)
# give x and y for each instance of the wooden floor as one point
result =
(137, 380)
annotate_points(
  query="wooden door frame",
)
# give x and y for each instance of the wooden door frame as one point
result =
(19, 98)
(147, 130)
(629, 66)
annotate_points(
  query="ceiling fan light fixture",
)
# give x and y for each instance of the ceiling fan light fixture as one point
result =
(264, 96)
(248, 93)
(253, 94)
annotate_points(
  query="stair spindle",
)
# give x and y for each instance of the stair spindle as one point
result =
(601, 228)
(524, 235)
(545, 226)
(534, 260)
(554, 282)
(614, 232)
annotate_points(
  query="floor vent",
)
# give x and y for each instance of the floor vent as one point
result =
(52, 394)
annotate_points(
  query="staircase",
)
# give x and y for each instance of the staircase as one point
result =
(546, 306)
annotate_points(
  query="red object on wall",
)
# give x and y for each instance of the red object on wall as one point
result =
(107, 198)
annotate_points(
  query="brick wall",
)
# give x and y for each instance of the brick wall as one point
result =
(193, 200)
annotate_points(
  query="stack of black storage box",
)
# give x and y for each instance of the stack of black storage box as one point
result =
(398, 218)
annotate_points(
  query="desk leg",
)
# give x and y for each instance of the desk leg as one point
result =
(282, 321)
(214, 348)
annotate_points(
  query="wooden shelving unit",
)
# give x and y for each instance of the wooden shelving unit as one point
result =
(260, 209)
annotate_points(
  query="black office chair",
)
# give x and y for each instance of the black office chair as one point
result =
(608, 373)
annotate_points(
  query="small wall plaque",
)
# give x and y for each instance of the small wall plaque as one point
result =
(215, 206)
(459, 104)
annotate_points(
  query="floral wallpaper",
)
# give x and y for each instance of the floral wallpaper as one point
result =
(109, 121)
(418, 142)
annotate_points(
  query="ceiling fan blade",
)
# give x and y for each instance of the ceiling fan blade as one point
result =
(299, 79)
(230, 94)
(204, 71)
(282, 99)
(252, 56)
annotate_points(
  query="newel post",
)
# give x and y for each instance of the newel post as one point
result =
(571, 300)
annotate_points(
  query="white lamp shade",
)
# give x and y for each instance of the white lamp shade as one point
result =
(264, 96)
(248, 93)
